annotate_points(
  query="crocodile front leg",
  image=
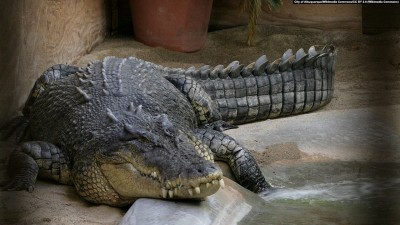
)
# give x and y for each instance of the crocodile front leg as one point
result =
(36, 158)
(243, 165)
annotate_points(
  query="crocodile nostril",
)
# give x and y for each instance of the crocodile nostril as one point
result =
(200, 170)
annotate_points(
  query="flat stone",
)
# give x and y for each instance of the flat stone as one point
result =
(226, 207)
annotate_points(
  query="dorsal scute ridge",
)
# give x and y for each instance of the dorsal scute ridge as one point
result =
(286, 64)
(204, 71)
(111, 116)
(216, 71)
(311, 57)
(226, 71)
(236, 70)
(204, 74)
(103, 68)
(166, 125)
(111, 73)
(192, 71)
(120, 88)
(287, 55)
(300, 60)
(149, 66)
(300, 54)
(90, 66)
(260, 65)
(131, 107)
(326, 49)
(105, 63)
(312, 52)
(272, 67)
(83, 70)
(248, 70)
(83, 94)
(205, 67)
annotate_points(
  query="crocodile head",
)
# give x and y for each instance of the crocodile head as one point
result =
(155, 159)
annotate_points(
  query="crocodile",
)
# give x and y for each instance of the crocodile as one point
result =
(124, 128)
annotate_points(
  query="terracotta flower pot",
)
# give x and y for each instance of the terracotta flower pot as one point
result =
(173, 24)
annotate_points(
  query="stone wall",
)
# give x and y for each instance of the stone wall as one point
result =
(35, 34)
(227, 13)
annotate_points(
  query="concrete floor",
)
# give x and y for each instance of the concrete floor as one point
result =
(347, 135)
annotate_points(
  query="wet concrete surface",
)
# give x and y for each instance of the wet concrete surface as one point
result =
(347, 171)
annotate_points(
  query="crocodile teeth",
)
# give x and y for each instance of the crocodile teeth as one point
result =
(190, 191)
(222, 183)
(197, 190)
(175, 191)
(207, 185)
(164, 192)
(171, 193)
(214, 182)
(168, 184)
(154, 174)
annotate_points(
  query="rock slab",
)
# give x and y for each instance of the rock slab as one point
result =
(226, 207)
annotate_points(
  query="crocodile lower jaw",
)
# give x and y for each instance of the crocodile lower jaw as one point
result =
(129, 182)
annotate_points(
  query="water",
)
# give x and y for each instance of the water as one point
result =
(348, 190)
(331, 193)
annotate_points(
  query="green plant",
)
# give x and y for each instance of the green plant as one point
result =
(253, 9)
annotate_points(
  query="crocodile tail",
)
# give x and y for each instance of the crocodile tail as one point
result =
(295, 83)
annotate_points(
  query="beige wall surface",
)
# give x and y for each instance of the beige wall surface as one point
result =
(36, 34)
(227, 13)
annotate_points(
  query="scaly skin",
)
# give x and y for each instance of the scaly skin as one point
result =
(121, 129)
